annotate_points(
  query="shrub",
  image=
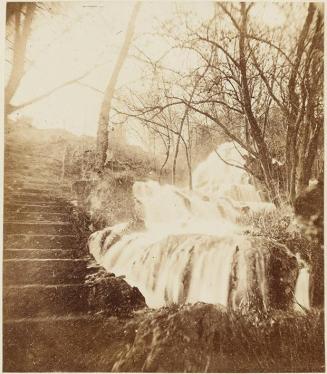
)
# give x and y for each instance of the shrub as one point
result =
(278, 225)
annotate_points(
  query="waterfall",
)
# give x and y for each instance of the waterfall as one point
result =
(193, 248)
(175, 269)
(216, 178)
(302, 287)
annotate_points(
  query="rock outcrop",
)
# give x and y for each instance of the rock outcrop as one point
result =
(263, 276)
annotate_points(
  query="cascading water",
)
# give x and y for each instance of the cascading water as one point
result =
(192, 249)
(216, 178)
(302, 291)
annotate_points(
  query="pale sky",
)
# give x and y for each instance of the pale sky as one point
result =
(65, 46)
(85, 34)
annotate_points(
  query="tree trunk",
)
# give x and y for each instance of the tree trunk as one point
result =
(167, 145)
(294, 117)
(189, 167)
(102, 133)
(22, 33)
(254, 128)
(305, 171)
(187, 108)
(176, 152)
(313, 84)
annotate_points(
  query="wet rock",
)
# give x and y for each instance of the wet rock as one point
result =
(113, 296)
(82, 189)
(309, 211)
(263, 276)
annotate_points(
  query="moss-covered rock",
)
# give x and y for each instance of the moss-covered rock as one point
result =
(112, 296)
(207, 338)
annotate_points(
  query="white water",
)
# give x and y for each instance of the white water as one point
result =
(216, 178)
(175, 269)
(186, 252)
(302, 291)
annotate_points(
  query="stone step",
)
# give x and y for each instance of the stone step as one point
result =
(30, 152)
(13, 179)
(40, 253)
(21, 241)
(39, 208)
(43, 271)
(33, 198)
(34, 201)
(32, 185)
(21, 175)
(33, 164)
(69, 344)
(35, 161)
(19, 171)
(33, 301)
(59, 194)
(36, 216)
(43, 191)
(39, 228)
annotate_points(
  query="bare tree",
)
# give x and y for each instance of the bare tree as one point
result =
(299, 98)
(242, 80)
(253, 80)
(305, 117)
(102, 133)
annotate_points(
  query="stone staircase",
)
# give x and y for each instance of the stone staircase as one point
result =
(46, 322)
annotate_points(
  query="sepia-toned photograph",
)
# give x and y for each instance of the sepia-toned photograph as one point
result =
(163, 186)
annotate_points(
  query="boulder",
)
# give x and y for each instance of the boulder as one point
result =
(263, 276)
(112, 296)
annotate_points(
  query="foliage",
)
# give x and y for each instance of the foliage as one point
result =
(111, 200)
(129, 158)
(81, 226)
(279, 226)
(79, 161)
(208, 338)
